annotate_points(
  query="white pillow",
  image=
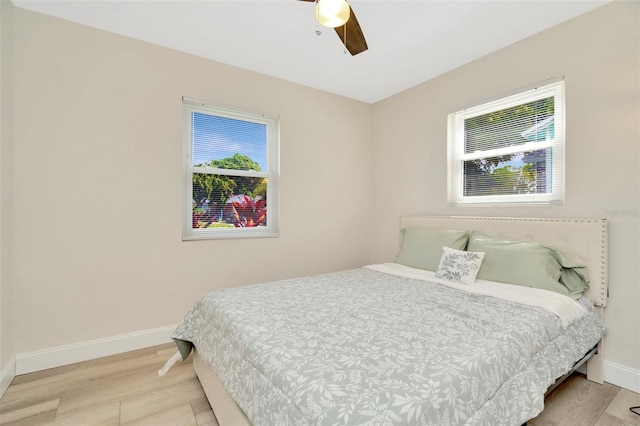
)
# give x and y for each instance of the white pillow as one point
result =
(459, 266)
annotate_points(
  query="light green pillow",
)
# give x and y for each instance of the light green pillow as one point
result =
(529, 264)
(574, 277)
(422, 247)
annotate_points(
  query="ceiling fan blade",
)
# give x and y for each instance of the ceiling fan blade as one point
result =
(355, 42)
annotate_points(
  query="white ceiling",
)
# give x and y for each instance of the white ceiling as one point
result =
(409, 41)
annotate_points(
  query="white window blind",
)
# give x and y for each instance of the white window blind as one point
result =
(510, 150)
(231, 172)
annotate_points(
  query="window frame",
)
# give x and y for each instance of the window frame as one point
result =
(456, 146)
(272, 123)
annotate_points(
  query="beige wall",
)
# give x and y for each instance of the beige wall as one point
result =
(97, 171)
(598, 54)
(6, 181)
(98, 183)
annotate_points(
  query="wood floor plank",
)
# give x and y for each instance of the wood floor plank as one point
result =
(80, 366)
(107, 388)
(36, 420)
(576, 402)
(27, 414)
(75, 375)
(619, 407)
(108, 415)
(206, 417)
(64, 383)
(608, 420)
(167, 350)
(200, 405)
(18, 401)
(169, 397)
(138, 381)
(203, 412)
(178, 416)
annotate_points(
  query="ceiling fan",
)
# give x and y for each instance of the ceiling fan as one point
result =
(339, 15)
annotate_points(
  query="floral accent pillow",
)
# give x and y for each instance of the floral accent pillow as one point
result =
(459, 266)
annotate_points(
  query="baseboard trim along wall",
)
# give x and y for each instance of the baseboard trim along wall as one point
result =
(7, 375)
(615, 374)
(84, 351)
(622, 376)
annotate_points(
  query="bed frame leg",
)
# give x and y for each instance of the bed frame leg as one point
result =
(595, 366)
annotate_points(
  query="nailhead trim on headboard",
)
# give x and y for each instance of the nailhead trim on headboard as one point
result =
(594, 230)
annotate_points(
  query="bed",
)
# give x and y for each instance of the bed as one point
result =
(398, 344)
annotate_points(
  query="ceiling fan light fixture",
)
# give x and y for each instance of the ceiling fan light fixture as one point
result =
(332, 13)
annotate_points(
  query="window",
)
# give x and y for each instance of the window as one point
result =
(509, 151)
(231, 172)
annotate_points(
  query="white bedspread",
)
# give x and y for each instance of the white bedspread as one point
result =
(565, 308)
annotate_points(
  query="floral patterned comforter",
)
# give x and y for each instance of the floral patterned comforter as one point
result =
(363, 347)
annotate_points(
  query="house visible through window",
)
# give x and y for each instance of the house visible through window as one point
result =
(231, 164)
(509, 151)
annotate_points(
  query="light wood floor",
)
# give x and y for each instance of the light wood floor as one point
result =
(126, 390)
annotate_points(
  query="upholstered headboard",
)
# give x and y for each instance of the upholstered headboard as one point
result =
(585, 239)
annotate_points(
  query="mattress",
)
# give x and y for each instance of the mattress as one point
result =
(388, 345)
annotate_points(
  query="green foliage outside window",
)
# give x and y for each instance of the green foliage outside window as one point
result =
(500, 129)
(218, 188)
(212, 192)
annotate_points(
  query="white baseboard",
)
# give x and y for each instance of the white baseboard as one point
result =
(622, 376)
(7, 375)
(84, 351)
